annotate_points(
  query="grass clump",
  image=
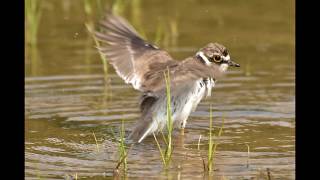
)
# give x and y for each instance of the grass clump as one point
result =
(167, 151)
(90, 28)
(122, 148)
(212, 145)
(88, 8)
(33, 12)
(123, 153)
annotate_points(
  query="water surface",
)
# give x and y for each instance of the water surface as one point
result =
(67, 96)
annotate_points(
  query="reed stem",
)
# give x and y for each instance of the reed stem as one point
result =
(167, 151)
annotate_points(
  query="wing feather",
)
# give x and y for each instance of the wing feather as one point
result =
(124, 48)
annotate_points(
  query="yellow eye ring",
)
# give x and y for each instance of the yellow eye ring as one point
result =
(217, 59)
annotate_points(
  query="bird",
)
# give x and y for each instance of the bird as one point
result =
(143, 65)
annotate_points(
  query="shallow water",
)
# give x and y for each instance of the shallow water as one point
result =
(67, 96)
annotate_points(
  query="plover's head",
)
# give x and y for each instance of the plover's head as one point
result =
(216, 55)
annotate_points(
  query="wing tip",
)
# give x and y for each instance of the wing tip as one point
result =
(139, 133)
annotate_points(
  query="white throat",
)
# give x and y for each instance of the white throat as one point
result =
(223, 67)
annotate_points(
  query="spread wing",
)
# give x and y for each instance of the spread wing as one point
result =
(129, 54)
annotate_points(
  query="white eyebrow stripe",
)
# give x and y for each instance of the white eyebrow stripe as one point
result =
(227, 58)
(206, 60)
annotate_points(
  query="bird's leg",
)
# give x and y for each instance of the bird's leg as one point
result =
(182, 131)
(180, 140)
(183, 125)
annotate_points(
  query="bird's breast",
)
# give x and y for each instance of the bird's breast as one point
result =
(183, 104)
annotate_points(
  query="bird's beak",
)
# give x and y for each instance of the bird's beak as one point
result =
(231, 63)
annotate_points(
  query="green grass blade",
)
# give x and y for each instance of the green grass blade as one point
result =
(210, 149)
(159, 147)
(97, 145)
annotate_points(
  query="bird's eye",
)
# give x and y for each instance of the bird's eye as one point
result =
(217, 58)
